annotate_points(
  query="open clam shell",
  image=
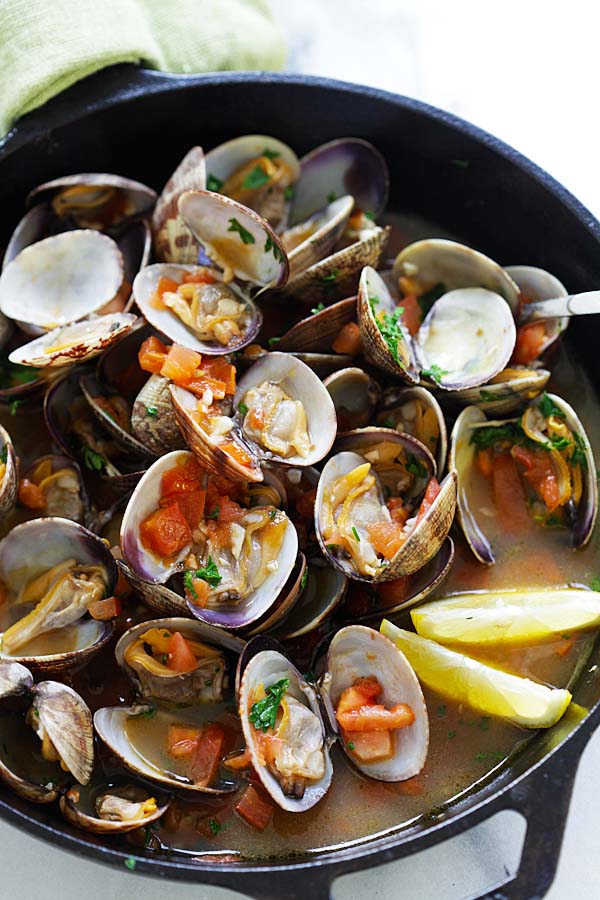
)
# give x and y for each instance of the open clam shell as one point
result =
(61, 483)
(355, 396)
(158, 597)
(203, 684)
(267, 668)
(415, 411)
(324, 590)
(300, 384)
(235, 238)
(173, 240)
(266, 186)
(67, 720)
(158, 433)
(436, 261)
(343, 166)
(97, 395)
(114, 808)
(95, 199)
(61, 279)
(317, 332)
(111, 724)
(55, 540)
(508, 391)
(74, 343)
(286, 601)
(488, 334)
(15, 679)
(359, 652)
(376, 306)
(538, 284)
(313, 240)
(166, 321)
(9, 471)
(423, 540)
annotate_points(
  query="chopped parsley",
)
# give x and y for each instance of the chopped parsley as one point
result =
(152, 411)
(560, 443)
(14, 407)
(317, 309)
(288, 192)
(242, 408)
(214, 826)
(331, 196)
(304, 579)
(415, 467)
(93, 461)
(330, 277)
(130, 863)
(272, 341)
(215, 513)
(273, 247)
(350, 745)
(595, 585)
(263, 713)
(484, 723)
(549, 408)
(356, 534)
(435, 373)
(387, 423)
(238, 228)
(441, 711)
(213, 184)
(255, 179)
(370, 215)
(273, 513)
(390, 328)
(487, 396)
(489, 435)
(270, 154)
(428, 298)
(147, 713)
(451, 734)
(208, 573)
(4, 454)
(579, 458)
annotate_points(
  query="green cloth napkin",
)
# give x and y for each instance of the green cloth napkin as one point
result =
(47, 45)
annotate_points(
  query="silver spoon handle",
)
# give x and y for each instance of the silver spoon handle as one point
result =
(584, 304)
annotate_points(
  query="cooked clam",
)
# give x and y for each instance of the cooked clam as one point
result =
(74, 343)
(60, 490)
(318, 332)
(9, 473)
(537, 284)
(114, 808)
(284, 731)
(385, 342)
(365, 667)
(415, 411)
(45, 620)
(173, 240)
(94, 199)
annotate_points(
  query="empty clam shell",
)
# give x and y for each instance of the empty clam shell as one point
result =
(165, 320)
(265, 669)
(235, 238)
(435, 261)
(173, 240)
(375, 307)
(61, 279)
(360, 652)
(74, 343)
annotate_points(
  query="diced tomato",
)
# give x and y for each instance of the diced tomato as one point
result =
(256, 418)
(199, 593)
(564, 647)
(164, 285)
(229, 511)
(367, 746)
(254, 808)
(239, 761)
(529, 343)
(386, 537)
(181, 364)
(431, 492)
(183, 740)
(187, 476)
(200, 383)
(166, 531)
(180, 657)
(361, 693)
(30, 495)
(509, 495)
(375, 718)
(215, 367)
(191, 505)
(102, 610)
(540, 473)
(484, 461)
(152, 354)
(412, 316)
(123, 588)
(392, 592)
(237, 452)
(348, 340)
(201, 277)
(398, 511)
(208, 754)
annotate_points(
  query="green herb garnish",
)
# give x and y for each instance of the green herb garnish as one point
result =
(273, 513)
(390, 329)
(560, 443)
(215, 513)
(214, 826)
(331, 196)
(304, 579)
(356, 534)
(263, 713)
(238, 228)
(272, 341)
(370, 215)
(330, 277)
(93, 461)
(435, 373)
(484, 723)
(147, 713)
(4, 454)
(288, 192)
(270, 154)
(12, 374)
(452, 734)
(549, 408)
(273, 247)
(130, 863)
(350, 745)
(318, 309)
(494, 434)
(595, 585)
(255, 179)
(415, 467)
(213, 184)
(242, 408)
(14, 407)
(152, 411)
(579, 457)
(210, 573)
(441, 710)
(487, 396)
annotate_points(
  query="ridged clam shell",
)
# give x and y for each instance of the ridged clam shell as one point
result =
(160, 433)
(10, 482)
(92, 390)
(372, 289)
(15, 679)
(73, 808)
(161, 599)
(173, 240)
(332, 221)
(140, 198)
(501, 397)
(76, 343)
(319, 331)
(355, 396)
(537, 284)
(337, 275)
(358, 652)
(268, 667)
(68, 722)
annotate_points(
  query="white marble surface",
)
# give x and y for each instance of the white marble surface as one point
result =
(528, 72)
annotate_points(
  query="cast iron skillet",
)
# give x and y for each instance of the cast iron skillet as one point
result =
(140, 123)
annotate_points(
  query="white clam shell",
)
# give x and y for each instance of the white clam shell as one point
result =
(74, 343)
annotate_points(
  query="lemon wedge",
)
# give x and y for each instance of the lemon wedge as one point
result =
(488, 690)
(507, 617)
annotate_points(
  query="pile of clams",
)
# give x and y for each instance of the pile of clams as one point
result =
(247, 407)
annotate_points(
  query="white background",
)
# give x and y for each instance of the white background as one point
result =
(528, 72)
